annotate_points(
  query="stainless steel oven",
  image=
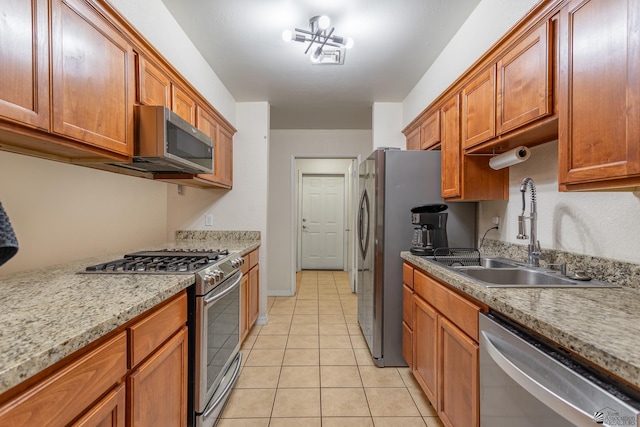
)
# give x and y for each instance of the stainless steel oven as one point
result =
(216, 340)
(214, 319)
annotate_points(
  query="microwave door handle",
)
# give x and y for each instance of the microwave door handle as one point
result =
(561, 406)
(217, 296)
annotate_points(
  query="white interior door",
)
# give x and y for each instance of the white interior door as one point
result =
(322, 222)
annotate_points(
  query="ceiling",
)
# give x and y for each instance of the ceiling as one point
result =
(395, 43)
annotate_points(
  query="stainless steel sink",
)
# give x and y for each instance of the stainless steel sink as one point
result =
(497, 272)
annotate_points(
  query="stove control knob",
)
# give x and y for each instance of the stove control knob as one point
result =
(237, 262)
(209, 278)
(219, 275)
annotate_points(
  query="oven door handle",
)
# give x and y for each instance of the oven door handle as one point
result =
(218, 295)
(227, 388)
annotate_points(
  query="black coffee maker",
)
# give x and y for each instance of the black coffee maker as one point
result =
(431, 228)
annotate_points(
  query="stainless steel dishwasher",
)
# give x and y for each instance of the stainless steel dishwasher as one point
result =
(526, 382)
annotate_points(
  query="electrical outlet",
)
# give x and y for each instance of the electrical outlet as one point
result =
(496, 221)
(208, 220)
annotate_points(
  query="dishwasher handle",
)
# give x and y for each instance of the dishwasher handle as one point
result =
(509, 365)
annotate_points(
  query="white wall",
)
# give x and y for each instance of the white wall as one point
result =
(602, 224)
(245, 206)
(489, 21)
(387, 125)
(152, 19)
(285, 144)
(63, 212)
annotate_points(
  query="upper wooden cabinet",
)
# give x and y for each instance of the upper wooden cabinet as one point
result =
(479, 108)
(24, 64)
(222, 150)
(154, 86)
(413, 139)
(430, 131)
(183, 104)
(451, 156)
(93, 78)
(524, 89)
(599, 103)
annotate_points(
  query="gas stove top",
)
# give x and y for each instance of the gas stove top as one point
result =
(164, 261)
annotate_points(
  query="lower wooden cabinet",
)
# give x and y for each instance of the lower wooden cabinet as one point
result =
(111, 384)
(158, 388)
(443, 338)
(250, 293)
(109, 412)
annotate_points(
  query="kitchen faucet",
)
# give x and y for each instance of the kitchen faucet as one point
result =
(534, 244)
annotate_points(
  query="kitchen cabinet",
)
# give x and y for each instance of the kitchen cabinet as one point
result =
(524, 81)
(445, 347)
(93, 78)
(413, 139)
(451, 150)
(136, 375)
(430, 131)
(154, 86)
(599, 95)
(407, 313)
(223, 150)
(250, 293)
(158, 388)
(24, 92)
(479, 108)
(62, 396)
(183, 104)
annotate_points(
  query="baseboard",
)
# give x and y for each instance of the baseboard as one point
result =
(280, 293)
(262, 320)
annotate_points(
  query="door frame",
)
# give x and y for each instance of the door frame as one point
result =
(352, 200)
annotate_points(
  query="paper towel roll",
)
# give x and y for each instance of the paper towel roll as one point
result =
(510, 158)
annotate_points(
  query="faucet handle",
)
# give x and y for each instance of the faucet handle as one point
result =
(522, 231)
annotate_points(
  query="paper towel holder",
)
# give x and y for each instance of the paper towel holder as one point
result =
(510, 158)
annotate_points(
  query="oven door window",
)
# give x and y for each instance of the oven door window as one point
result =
(222, 334)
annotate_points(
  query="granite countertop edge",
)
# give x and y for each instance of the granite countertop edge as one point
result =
(600, 325)
(47, 316)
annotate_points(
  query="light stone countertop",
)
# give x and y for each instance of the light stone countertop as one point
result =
(47, 314)
(601, 325)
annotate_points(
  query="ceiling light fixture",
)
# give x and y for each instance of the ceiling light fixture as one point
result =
(330, 49)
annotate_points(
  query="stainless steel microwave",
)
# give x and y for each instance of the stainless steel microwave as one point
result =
(166, 143)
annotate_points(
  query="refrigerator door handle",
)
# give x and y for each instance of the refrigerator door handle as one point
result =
(363, 223)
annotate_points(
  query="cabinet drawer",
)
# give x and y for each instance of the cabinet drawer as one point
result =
(146, 335)
(246, 264)
(461, 312)
(60, 398)
(407, 275)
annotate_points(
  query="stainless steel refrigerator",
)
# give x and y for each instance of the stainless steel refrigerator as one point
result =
(391, 182)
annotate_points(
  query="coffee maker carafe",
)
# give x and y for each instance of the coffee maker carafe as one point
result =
(431, 228)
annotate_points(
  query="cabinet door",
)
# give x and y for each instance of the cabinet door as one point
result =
(24, 92)
(425, 362)
(93, 78)
(524, 81)
(430, 131)
(599, 104)
(451, 156)
(479, 109)
(413, 139)
(154, 87)
(183, 104)
(109, 412)
(458, 380)
(224, 157)
(157, 390)
(407, 344)
(244, 307)
(254, 294)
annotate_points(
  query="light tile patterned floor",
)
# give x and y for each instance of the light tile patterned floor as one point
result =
(310, 366)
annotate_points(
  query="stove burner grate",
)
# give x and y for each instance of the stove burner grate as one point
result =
(167, 261)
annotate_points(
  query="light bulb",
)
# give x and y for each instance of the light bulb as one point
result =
(348, 43)
(287, 35)
(324, 22)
